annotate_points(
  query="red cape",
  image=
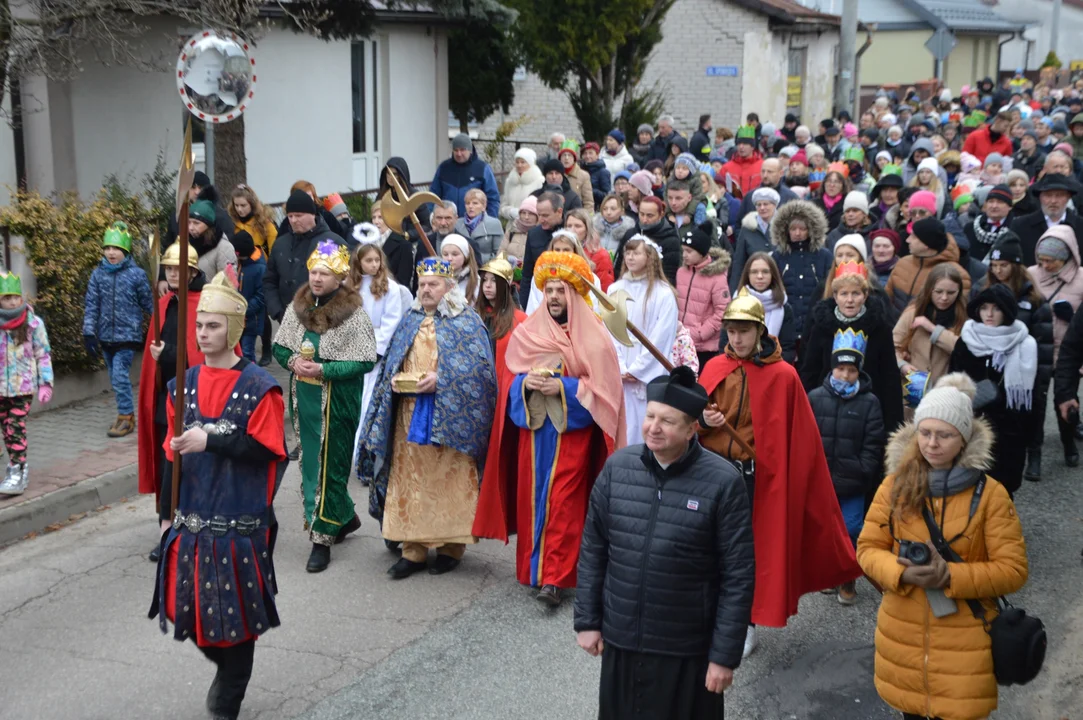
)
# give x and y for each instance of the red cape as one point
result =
(801, 541)
(495, 516)
(150, 473)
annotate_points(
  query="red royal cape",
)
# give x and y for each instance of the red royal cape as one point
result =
(495, 516)
(801, 541)
(150, 473)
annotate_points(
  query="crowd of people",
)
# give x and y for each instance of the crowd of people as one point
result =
(697, 378)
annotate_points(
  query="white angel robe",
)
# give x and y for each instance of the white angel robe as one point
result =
(656, 317)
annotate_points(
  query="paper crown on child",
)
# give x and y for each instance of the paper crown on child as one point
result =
(746, 132)
(117, 236)
(849, 347)
(569, 267)
(329, 254)
(854, 153)
(914, 385)
(852, 267)
(171, 256)
(500, 267)
(10, 284)
(220, 296)
(434, 267)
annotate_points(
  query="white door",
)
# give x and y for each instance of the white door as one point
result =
(366, 112)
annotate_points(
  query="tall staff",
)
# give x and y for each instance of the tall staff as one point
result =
(184, 184)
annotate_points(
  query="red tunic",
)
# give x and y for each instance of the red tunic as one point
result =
(265, 425)
(801, 541)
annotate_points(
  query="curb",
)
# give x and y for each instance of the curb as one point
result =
(37, 514)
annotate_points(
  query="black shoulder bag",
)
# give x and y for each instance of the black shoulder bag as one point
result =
(1019, 640)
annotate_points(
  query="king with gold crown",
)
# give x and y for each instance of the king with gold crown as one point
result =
(427, 427)
(215, 581)
(327, 343)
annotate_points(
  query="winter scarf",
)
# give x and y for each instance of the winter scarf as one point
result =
(884, 269)
(844, 389)
(520, 227)
(472, 223)
(773, 313)
(845, 320)
(945, 483)
(829, 201)
(988, 237)
(13, 318)
(1014, 353)
(612, 227)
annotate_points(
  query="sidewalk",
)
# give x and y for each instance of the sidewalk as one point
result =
(74, 467)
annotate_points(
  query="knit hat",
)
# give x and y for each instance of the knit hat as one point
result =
(951, 401)
(924, 199)
(961, 201)
(789, 151)
(243, 243)
(1007, 248)
(883, 154)
(994, 157)
(689, 161)
(697, 238)
(622, 175)
(766, 194)
(1059, 127)
(856, 200)
(645, 128)
(552, 165)
(857, 242)
(1000, 192)
(335, 205)
(1017, 174)
(929, 164)
(203, 210)
(849, 130)
(200, 179)
(931, 232)
(457, 241)
(642, 181)
(525, 153)
(592, 146)
(530, 204)
(1000, 296)
(1053, 247)
(462, 141)
(768, 130)
(813, 149)
(617, 135)
(799, 157)
(886, 233)
(832, 131)
(301, 202)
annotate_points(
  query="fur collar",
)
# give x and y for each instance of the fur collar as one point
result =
(978, 453)
(320, 319)
(750, 222)
(798, 210)
(719, 265)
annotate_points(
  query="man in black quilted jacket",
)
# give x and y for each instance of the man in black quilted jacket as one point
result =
(666, 567)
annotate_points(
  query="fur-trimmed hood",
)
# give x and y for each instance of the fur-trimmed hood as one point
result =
(798, 210)
(750, 221)
(977, 454)
(719, 265)
(321, 318)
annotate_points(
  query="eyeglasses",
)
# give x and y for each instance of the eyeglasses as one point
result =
(918, 213)
(941, 435)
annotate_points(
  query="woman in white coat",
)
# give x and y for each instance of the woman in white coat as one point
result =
(383, 299)
(524, 179)
(652, 307)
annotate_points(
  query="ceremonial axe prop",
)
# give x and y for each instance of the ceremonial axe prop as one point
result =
(397, 206)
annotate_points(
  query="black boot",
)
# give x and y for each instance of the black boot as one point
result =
(405, 568)
(351, 527)
(1071, 453)
(1033, 472)
(155, 553)
(319, 559)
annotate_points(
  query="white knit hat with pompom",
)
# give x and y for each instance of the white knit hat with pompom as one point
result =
(950, 401)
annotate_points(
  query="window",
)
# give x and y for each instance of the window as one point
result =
(795, 79)
(357, 73)
(363, 74)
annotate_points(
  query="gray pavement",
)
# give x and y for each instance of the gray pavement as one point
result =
(75, 642)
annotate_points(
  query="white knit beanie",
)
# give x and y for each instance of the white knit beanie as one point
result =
(950, 401)
(458, 241)
(855, 199)
(929, 164)
(857, 243)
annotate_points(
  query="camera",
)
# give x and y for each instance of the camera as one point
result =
(915, 552)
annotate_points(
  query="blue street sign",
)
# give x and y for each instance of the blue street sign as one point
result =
(721, 71)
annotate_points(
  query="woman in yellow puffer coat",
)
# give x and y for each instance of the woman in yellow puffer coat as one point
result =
(928, 666)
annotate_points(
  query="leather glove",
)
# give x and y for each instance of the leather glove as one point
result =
(1062, 310)
(91, 344)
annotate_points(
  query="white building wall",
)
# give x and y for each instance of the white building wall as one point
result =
(1040, 14)
(766, 62)
(414, 112)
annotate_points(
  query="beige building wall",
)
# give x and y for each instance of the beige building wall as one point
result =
(974, 57)
(897, 57)
(766, 63)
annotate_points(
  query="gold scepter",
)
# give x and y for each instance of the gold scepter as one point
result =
(613, 312)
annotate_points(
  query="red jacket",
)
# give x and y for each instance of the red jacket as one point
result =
(744, 171)
(980, 144)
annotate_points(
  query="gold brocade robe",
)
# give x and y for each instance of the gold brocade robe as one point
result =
(432, 491)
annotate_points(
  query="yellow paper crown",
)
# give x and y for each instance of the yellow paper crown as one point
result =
(331, 255)
(566, 266)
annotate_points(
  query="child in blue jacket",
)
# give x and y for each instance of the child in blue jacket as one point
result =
(117, 300)
(251, 266)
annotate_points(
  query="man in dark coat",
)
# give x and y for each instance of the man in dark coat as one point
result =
(1053, 192)
(550, 219)
(987, 228)
(465, 171)
(666, 567)
(556, 181)
(286, 267)
(653, 225)
(770, 177)
(700, 144)
(666, 134)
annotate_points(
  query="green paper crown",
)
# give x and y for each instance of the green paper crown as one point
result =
(854, 153)
(570, 145)
(117, 236)
(10, 284)
(746, 132)
(891, 169)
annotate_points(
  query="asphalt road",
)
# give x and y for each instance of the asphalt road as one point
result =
(75, 641)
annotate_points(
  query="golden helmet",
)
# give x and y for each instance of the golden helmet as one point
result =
(500, 267)
(745, 307)
(171, 256)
